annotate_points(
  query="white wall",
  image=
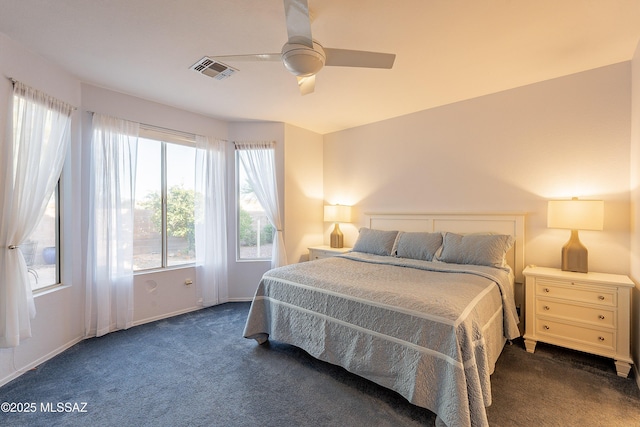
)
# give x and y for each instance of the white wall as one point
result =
(59, 322)
(635, 208)
(509, 151)
(303, 192)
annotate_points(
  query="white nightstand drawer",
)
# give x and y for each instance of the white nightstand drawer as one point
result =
(592, 337)
(599, 316)
(320, 252)
(575, 292)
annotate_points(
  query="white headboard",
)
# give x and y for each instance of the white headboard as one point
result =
(502, 223)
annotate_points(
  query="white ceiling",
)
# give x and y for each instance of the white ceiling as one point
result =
(447, 50)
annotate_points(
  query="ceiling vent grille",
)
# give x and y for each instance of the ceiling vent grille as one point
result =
(212, 68)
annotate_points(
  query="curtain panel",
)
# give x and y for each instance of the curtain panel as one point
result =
(31, 159)
(258, 160)
(109, 292)
(211, 221)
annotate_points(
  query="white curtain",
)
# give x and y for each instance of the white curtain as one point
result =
(211, 221)
(258, 160)
(31, 159)
(109, 295)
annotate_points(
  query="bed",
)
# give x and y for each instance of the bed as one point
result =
(423, 305)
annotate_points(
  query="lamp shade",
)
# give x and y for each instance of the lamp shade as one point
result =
(337, 213)
(575, 214)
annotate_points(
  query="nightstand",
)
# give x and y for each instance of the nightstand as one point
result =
(588, 312)
(319, 252)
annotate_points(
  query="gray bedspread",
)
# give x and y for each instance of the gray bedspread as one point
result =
(430, 331)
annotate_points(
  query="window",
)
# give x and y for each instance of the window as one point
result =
(41, 250)
(37, 117)
(255, 232)
(164, 234)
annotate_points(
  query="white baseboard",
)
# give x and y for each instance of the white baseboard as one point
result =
(166, 315)
(39, 361)
(184, 311)
(241, 299)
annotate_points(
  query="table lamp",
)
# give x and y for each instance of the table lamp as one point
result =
(337, 214)
(575, 215)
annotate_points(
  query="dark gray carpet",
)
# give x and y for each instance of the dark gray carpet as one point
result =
(197, 370)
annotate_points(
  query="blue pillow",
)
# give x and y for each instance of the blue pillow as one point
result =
(375, 242)
(417, 245)
(477, 249)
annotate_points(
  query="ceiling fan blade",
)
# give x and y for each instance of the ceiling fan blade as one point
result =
(298, 22)
(358, 58)
(250, 57)
(307, 84)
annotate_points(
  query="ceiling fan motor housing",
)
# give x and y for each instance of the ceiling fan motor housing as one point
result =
(301, 60)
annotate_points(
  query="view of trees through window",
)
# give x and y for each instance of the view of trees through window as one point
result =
(164, 233)
(255, 232)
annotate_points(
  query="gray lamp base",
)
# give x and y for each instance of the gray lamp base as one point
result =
(574, 255)
(337, 238)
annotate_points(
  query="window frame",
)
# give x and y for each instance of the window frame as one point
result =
(164, 137)
(57, 240)
(58, 230)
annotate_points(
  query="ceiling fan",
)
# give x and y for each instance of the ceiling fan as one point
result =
(304, 57)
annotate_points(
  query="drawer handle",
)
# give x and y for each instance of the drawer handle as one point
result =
(601, 317)
(601, 338)
(547, 290)
(601, 298)
(546, 327)
(546, 307)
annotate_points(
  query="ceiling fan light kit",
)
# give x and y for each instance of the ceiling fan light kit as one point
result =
(304, 57)
(301, 60)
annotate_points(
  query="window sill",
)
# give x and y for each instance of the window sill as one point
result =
(254, 260)
(49, 289)
(161, 269)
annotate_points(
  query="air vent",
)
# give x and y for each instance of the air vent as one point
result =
(213, 68)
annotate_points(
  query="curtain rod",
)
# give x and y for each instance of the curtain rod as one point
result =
(167, 130)
(188, 136)
(238, 144)
(14, 81)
